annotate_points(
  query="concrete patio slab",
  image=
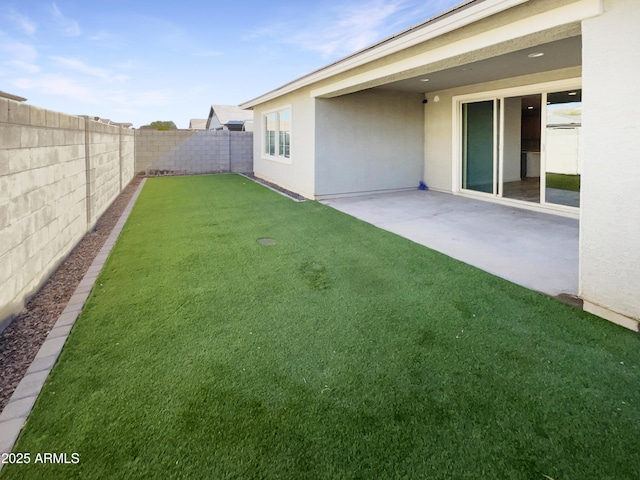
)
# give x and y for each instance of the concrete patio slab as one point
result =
(536, 250)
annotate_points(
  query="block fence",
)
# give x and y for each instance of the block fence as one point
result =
(58, 174)
(193, 152)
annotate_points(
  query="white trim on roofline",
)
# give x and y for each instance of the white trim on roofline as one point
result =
(573, 12)
(453, 19)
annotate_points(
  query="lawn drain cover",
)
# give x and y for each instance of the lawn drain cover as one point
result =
(266, 241)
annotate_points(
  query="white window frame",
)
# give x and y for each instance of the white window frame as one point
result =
(263, 132)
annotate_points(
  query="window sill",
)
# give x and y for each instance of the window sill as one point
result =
(271, 158)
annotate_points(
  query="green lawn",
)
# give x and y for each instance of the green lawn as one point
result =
(340, 352)
(563, 182)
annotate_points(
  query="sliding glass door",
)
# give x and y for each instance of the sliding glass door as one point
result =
(478, 146)
(520, 153)
(524, 148)
(563, 134)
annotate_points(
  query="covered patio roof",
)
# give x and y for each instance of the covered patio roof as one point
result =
(450, 51)
(556, 55)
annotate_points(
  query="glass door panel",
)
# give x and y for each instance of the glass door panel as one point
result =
(520, 155)
(563, 145)
(478, 146)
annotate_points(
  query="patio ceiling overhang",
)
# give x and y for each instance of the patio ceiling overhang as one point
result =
(463, 14)
(473, 59)
(500, 53)
(557, 55)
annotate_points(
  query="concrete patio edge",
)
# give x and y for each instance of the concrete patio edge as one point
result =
(16, 412)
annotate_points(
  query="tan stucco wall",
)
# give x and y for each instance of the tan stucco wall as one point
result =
(438, 165)
(368, 141)
(610, 214)
(298, 175)
(610, 197)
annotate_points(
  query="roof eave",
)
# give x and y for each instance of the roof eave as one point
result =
(463, 14)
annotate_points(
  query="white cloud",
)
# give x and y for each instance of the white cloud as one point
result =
(337, 31)
(358, 27)
(351, 25)
(151, 98)
(79, 97)
(77, 65)
(210, 53)
(23, 22)
(23, 66)
(20, 51)
(100, 36)
(67, 25)
(128, 65)
(58, 85)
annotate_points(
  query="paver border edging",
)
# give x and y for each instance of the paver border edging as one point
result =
(16, 412)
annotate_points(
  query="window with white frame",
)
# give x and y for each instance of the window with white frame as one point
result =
(270, 134)
(277, 134)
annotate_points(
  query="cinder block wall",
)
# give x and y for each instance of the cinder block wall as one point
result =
(241, 152)
(110, 151)
(127, 156)
(53, 188)
(193, 152)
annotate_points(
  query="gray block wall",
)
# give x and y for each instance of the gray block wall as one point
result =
(110, 165)
(193, 152)
(58, 174)
(241, 152)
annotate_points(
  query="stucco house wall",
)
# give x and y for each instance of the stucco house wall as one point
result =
(525, 24)
(610, 213)
(297, 174)
(369, 141)
(337, 109)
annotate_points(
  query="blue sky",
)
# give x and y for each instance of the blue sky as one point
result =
(138, 61)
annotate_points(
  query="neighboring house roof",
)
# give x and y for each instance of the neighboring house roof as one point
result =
(106, 121)
(248, 126)
(123, 124)
(198, 124)
(565, 115)
(464, 14)
(563, 121)
(226, 114)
